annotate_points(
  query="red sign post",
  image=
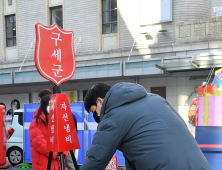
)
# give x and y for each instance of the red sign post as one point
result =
(55, 61)
(61, 126)
(54, 53)
(2, 138)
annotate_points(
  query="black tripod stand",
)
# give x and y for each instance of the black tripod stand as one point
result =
(62, 160)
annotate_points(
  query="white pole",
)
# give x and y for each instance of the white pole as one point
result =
(78, 43)
(26, 55)
(131, 49)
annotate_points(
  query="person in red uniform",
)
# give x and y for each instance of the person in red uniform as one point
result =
(38, 138)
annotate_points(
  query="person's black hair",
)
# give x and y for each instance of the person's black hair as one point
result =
(75, 120)
(98, 90)
(44, 93)
(43, 108)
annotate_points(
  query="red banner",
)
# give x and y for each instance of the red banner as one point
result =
(2, 136)
(62, 135)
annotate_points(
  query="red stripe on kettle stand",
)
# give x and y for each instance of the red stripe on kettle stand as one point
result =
(209, 146)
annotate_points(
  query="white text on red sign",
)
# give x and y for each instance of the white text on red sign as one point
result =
(52, 118)
(56, 74)
(63, 106)
(68, 139)
(52, 129)
(52, 105)
(67, 128)
(56, 39)
(52, 140)
(57, 54)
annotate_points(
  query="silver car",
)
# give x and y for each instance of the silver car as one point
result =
(14, 145)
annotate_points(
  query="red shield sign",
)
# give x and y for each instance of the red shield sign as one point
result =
(54, 53)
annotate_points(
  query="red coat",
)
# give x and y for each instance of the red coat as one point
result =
(38, 137)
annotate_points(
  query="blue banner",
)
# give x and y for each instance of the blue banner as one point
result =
(211, 137)
(28, 117)
(92, 128)
(76, 108)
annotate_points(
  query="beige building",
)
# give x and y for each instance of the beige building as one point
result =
(167, 46)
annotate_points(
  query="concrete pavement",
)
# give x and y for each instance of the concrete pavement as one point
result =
(14, 167)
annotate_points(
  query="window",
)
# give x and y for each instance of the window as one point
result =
(9, 2)
(109, 16)
(20, 120)
(56, 16)
(10, 31)
(19, 115)
(161, 91)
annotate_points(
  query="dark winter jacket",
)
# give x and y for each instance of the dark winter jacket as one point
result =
(149, 132)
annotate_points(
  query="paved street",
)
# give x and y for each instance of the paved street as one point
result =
(13, 167)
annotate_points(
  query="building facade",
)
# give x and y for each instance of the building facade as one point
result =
(167, 46)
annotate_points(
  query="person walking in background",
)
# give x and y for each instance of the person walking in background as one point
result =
(38, 138)
(145, 127)
(68, 162)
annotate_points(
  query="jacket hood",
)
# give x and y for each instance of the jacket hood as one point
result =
(121, 94)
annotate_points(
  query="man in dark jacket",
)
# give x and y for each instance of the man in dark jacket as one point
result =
(145, 127)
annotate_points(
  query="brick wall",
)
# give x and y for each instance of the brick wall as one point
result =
(28, 14)
(182, 11)
(128, 22)
(81, 17)
(191, 9)
(1, 32)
